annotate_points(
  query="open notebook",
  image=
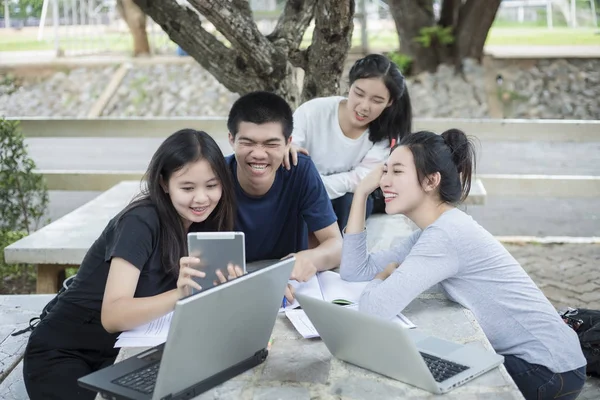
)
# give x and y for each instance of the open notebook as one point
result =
(329, 286)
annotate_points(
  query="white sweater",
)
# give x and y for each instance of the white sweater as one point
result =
(341, 161)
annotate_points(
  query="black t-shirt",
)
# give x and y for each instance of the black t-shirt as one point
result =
(135, 238)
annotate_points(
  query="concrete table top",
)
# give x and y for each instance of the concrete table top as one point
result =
(298, 368)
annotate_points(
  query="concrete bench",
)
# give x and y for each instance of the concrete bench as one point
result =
(15, 313)
(64, 242)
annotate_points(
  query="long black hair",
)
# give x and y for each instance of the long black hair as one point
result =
(451, 154)
(395, 122)
(181, 148)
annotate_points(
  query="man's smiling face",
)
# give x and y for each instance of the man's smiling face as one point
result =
(259, 151)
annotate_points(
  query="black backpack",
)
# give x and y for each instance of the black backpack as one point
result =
(587, 325)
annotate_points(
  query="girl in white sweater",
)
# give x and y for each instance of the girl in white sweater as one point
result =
(347, 137)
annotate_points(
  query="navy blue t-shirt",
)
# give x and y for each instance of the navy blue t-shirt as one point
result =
(278, 223)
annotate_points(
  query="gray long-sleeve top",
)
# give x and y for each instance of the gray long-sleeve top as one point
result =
(474, 270)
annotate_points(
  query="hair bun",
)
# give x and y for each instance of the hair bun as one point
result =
(458, 143)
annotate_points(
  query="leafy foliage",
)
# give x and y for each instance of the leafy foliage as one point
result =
(403, 61)
(23, 201)
(15, 278)
(435, 34)
(23, 193)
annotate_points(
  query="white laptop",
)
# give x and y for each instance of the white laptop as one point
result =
(382, 346)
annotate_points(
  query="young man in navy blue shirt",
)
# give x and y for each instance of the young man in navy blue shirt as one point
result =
(278, 208)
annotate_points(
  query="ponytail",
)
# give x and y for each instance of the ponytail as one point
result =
(463, 156)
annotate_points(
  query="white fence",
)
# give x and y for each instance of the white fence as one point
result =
(94, 26)
(571, 13)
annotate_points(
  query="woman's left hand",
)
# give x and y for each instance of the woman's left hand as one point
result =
(233, 271)
(293, 151)
(370, 182)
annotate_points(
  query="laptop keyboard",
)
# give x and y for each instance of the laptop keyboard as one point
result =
(142, 380)
(442, 369)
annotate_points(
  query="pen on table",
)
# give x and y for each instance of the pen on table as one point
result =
(284, 302)
(270, 344)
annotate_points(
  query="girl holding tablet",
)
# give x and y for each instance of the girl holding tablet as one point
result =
(136, 270)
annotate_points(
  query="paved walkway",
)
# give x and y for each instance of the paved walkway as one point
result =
(569, 275)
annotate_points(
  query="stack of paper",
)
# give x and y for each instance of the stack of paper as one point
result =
(148, 335)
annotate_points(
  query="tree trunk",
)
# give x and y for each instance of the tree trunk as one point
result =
(252, 61)
(331, 41)
(136, 21)
(410, 16)
(474, 22)
(470, 21)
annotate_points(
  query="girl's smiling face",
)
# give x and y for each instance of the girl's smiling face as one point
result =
(400, 183)
(367, 99)
(195, 191)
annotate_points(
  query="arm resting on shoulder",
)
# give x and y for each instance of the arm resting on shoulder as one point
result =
(120, 310)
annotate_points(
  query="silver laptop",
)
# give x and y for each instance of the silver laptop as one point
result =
(407, 355)
(260, 264)
(215, 335)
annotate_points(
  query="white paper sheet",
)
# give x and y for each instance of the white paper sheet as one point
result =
(140, 342)
(151, 334)
(302, 324)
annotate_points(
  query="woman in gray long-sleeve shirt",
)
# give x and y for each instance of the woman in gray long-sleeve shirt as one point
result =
(422, 179)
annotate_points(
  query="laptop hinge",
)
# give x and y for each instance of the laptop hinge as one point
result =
(215, 380)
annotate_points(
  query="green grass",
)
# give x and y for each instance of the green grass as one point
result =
(385, 40)
(543, 37)
(118, 42)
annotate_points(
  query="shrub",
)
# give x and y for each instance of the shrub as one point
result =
(23, 202)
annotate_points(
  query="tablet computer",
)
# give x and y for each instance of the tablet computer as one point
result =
(215, 250)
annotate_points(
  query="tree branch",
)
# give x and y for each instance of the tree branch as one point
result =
(299, 58)
(234, 20)
(184, 27)
(329, 48)
(292, 23)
